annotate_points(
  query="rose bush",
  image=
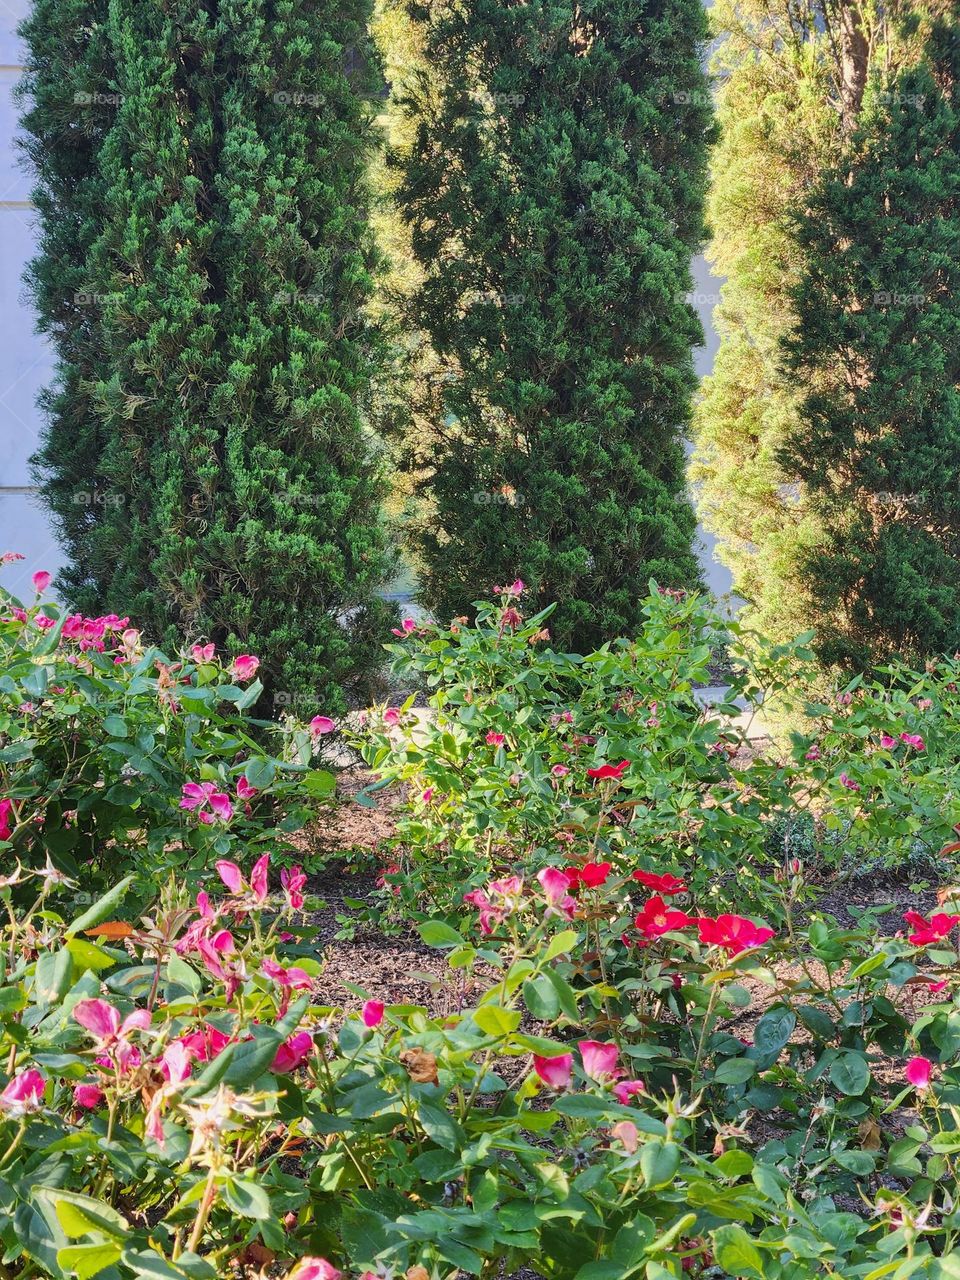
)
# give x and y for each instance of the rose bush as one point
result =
(115, 757)
(176, 1101)
(528, 757)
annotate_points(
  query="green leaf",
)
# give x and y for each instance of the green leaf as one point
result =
(540, 997)
(116, 726)
(80, 1214)
(561, 944)
(85, 1260)
(441, 1128)
(87, 955)
(659, 1162)
(437, 934)
(494, 1021)
(774, 1030)
(319, 784)
(736, 1253)
(247, 1198)
(850, 1073)
(180, 973)
(735, 1071)
(260, 772)
(52, 976)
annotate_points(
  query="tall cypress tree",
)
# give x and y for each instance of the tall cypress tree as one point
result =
(554, 188)
(234, 356)
(792, 79)
(876, 351)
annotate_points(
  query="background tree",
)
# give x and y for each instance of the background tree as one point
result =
(554, 188)
(792, 79)
(233, 353)
(875, 358)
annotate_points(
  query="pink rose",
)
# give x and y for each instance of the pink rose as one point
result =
(292, 1053)
(918, 1072)
(87, 1096)
(372, 1013)
(599, 1060)
(556, 1072)
(245, 666)
(24, 1093)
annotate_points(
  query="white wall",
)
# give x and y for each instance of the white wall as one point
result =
(26, 364)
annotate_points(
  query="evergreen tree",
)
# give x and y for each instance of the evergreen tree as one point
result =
(876, 356)
(554, 187)
(233, 352)
(792, 79)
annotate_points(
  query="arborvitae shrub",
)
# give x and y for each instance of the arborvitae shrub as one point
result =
(230, 355)
(553, 183)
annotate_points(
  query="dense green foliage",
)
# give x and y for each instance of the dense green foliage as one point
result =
(553, 184)
(619, 1077)
(229, 358)
(788, 103)
(875, 358)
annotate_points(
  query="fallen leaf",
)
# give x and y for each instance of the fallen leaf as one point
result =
(869, 1134)
(112, 930)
